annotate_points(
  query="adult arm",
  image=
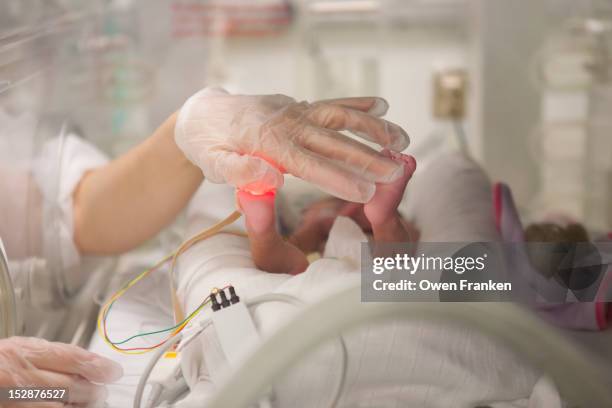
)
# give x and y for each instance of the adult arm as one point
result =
(243, 140)
(120, 205)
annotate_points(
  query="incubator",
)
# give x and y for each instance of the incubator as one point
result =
(572, 142)
(534, 97)
(7, 298)
(42, 156)
(44, 267)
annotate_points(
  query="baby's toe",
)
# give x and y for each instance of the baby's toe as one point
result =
(258, 211)
(409, 163)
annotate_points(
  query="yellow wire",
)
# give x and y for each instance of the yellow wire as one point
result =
(116, 296)
(179, 315)
(178, 312)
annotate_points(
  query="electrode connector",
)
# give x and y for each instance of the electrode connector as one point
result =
(233, 296)
(224, 301)
(215, 304)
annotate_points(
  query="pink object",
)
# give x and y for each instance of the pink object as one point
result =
(497, 204)
(506, 215)
(582, 316)
(603, 310)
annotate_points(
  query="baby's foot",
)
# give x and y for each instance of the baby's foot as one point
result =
(270, 251)
(381, 210)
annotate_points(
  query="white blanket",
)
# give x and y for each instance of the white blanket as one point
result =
(417, 363)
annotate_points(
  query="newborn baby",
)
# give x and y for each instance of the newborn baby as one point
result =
(418, 363)
(272, 253)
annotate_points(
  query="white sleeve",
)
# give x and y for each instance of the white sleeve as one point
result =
(57, 171)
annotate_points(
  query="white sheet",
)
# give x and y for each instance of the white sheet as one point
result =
(420, 364)
(145, 308)
(423, 364)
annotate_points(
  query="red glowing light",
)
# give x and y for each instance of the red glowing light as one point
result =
(259, 193)
(258, 188)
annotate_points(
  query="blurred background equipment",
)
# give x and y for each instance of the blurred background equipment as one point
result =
(574, 140)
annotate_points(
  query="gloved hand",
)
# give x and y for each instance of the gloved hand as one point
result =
(250, 141)
(32, 362)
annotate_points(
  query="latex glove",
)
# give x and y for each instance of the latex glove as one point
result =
(250, 141)
(32, 362)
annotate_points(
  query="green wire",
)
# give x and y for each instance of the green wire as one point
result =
(204, 303)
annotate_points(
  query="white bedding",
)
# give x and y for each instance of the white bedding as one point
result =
(145, 308)
(417, 364)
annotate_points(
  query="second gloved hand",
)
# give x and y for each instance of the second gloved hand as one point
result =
(250, 141)
(35, 363)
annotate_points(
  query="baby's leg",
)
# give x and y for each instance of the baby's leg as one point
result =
(381, 211)
(269, 249)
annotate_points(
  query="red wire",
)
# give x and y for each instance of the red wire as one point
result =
(142, 348)
(146, 348)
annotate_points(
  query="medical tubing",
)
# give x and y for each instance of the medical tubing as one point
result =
(153, 396)
(175, 392)
(267, 298)
(281, 297)
(516, 328)
(150, 366)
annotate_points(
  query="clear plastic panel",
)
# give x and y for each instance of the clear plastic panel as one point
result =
(34, 109)
(30, 220)
(8, 310)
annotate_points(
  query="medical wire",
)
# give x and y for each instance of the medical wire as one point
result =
(177, 328)
(267, 298)
(206, 301)
(180, 320)
(102, 329)
(205, 234)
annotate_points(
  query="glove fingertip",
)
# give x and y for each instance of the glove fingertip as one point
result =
(400, 142)
(395, 175)
(379, 108)
(103, 370)
(363, 193)
(115, 371)
(368, 194)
